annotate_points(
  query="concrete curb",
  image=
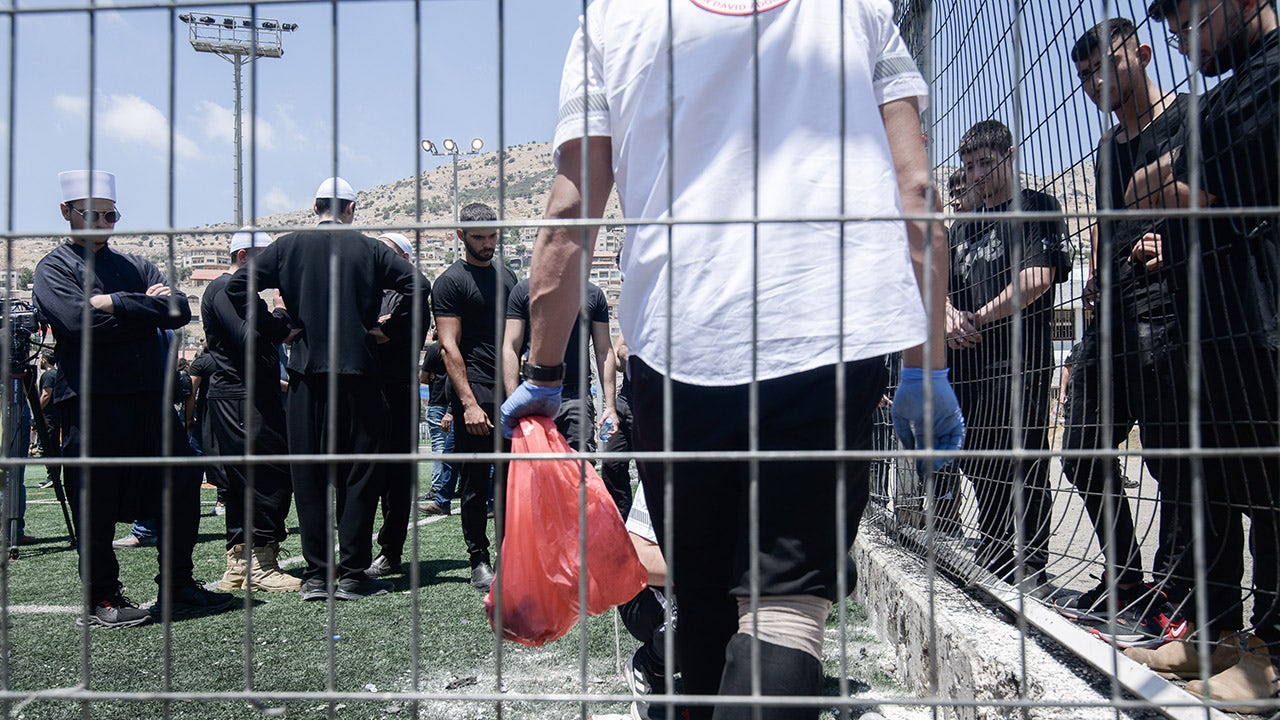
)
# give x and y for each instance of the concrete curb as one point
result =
(978, 655)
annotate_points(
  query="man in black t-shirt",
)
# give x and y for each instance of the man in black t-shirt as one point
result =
(234, 416)
(576, 418)
(469, 297)
(201, 371)
(1130, 290)
(1239, 290)
(1002, 273)
(48, 379)
(399, 365)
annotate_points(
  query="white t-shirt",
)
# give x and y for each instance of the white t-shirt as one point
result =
(792, 285)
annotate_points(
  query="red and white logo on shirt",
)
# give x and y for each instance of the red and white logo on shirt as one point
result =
(738, 7)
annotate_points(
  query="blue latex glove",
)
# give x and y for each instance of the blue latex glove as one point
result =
(908, 414)
(529, 399)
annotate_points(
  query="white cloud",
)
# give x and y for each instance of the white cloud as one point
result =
(277, 200)
(219, 124)
(128, 119)
(73, 105)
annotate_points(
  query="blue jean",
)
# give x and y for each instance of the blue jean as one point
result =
(444, 476)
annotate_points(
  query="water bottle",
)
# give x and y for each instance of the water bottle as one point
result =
(606, 430)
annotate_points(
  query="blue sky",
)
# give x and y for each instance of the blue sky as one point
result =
(377, 139)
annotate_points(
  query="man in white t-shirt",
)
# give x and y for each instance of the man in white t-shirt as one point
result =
(758, 129)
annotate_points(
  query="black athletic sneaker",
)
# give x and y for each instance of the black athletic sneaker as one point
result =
(361, 588)
(482, 577)
(190, 598)
(1147, 623)
(313, 589)
(1091, 605)
(383, 566)
(116, 611)
(645, 681)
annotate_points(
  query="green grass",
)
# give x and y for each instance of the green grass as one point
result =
(289, 646)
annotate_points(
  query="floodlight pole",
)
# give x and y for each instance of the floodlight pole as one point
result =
(451, 148)
(238, 40)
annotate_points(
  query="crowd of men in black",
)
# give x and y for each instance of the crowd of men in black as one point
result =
(1164, 289)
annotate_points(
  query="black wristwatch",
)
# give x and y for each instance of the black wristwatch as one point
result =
(543, 373)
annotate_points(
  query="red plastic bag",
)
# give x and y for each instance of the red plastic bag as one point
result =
(540, 565)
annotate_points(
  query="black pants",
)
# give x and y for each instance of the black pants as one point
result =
(270, 484)
(128, 426)
(799, 513)
(360, 428)
(576, 419)
(985, 392)
(616, 474)
(645, 617)
(473, 485)
(397, 494)
(1148, 384)
(1240, 411)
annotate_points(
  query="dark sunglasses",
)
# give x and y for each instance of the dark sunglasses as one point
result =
(91, 216)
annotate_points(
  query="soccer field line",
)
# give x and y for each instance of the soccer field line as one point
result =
(42, 609)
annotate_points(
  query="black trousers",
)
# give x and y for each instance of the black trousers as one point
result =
(397, 494)
(1148, 385)
(616, 474)
(128, 426)
(473, 477)
(1240, 411)
(799, 512)
(360, 428)
(985, 392)
(270, 484)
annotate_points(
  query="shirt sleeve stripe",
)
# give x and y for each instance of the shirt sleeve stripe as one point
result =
(893, 66)
(574, 106)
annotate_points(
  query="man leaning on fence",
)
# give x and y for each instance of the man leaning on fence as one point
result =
(1238, 257)
(131, 315)
(781, 305)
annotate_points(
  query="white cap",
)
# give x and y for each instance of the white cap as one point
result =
(247, 238)
(335, 187)
(84, 184)
(400, 241)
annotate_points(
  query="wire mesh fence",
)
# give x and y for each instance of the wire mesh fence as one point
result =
(1085, 238)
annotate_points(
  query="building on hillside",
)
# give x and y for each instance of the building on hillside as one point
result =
(208, 258)
(201, 277)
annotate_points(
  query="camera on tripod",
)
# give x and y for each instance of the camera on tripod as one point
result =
(22, 325)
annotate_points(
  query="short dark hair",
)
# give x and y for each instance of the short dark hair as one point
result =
(1159, 9)
(957, 178)
(987, 134)
(324, 205)
(477, 212)
(1117, 29)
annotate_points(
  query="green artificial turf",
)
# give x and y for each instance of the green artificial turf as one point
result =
(290, 644)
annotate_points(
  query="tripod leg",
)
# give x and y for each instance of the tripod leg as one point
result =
(52, 448)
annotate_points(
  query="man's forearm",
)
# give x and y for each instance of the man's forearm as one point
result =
(1031, 283)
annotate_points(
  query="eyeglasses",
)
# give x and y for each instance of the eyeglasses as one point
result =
(91, 216)
(1177, 39)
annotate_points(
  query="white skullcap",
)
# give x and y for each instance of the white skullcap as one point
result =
(77, 185)
(335, 187)
(400, 241)
(247, 238)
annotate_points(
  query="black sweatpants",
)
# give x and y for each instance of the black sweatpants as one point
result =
(270, 483)
(130, 425)
(799, 513)
(616, 474)
(473, 477)
(985, 392)
(1148, 383)
(360, 428)
(397, 493)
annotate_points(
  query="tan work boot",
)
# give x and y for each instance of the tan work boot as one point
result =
(1253, 678)
(233, 578)
(1181, 659)
(266, 575)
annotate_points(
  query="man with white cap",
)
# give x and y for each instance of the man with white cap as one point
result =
(399, 358)
(132, 310)
(244, 401)
(314, 269)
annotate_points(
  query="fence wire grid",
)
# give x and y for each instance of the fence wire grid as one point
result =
(1103, 209)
